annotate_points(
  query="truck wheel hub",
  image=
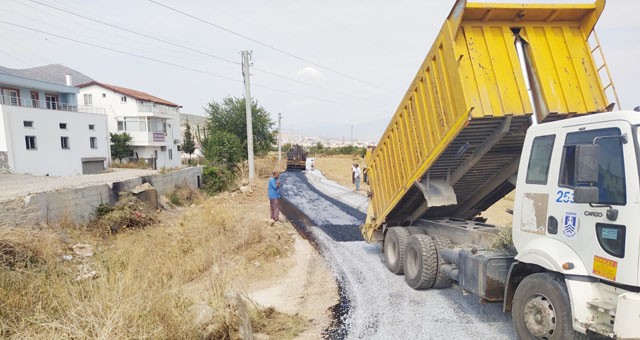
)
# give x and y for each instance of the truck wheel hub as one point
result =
(540, 317)
(391, 251)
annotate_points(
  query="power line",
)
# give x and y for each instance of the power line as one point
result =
(317, 86)
(90, 37)
(136, 33)
(51, 14)
(173, 64)
(200, 52)
(268, 46)
(119, 51)
(14, 58)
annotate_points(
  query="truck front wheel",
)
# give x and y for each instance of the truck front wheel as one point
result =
(395, 240)
(541, 309)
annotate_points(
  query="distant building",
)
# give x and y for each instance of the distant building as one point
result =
(195, 122)
(152, 122)
(43, 130)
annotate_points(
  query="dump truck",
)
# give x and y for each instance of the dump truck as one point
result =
(511, 96)
(296, 158)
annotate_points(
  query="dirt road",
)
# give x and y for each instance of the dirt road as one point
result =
(375, 304)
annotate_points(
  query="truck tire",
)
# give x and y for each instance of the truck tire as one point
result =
(442, 280)
(420, 262)
(416, 230)
(395, 241)
(541, 309)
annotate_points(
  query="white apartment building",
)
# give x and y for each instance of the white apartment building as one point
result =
(152, 122)
(44, 132)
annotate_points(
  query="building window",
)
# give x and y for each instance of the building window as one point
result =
(170, 153)
(93, 142)
(92, 127)
(64, 142)
(10, 97)
(157, 125)
(104, 95)
(30, 142)
(27, 123)
(35, 99)
(63, 126)
(88, 100)
(51, 101)
(123, 99)
(132, 124)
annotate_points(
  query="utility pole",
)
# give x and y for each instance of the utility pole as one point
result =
(247, 99)
(279, 138)
(351, 134)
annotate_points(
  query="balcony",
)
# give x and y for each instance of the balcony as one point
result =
(49, 105)
(157, 109)
(149, 138)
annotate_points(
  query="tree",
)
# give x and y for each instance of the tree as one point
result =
(230, 116)
(222, 148)
(188, 144)
(120, 146)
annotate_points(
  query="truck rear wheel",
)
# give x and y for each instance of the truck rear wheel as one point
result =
(420, 262)
(395, 241)
(442, 280)
(541, 309)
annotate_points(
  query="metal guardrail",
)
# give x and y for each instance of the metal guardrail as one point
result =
(49, 105)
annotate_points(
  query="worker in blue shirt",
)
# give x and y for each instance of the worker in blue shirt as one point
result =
(274, 196)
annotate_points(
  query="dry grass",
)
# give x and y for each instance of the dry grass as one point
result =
(147, 279)
(338, 169)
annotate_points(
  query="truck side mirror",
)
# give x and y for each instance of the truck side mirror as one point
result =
(586, 194)
(586, 164)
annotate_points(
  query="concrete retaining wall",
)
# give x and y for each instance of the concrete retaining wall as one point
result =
(78, 204)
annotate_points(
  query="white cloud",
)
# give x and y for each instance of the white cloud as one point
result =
(310, 72)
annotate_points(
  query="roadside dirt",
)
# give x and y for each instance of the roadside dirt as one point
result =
(299, 283)
(338, 169)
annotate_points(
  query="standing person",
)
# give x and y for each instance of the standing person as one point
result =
(353, 173)
(274, 196)
(356, 176)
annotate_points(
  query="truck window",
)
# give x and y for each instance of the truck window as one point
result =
(538, 168)
(611, 178)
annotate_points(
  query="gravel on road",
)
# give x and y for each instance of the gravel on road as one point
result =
(377, 304)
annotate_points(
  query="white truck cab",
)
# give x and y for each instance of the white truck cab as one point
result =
(577, 213)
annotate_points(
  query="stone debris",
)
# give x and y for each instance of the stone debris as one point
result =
(245, 189)
(141, 188)
(83, 249)
(202, 314)
(86, 272)
(237, 318)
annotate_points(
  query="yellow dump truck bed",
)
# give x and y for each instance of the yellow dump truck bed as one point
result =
(463, 120)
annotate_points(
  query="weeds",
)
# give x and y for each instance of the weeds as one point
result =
(504, 241)
(128, 212)
(147, 278)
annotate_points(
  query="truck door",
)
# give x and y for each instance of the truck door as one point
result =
(602, 233)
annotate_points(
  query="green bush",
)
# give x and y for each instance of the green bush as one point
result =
(216, 179)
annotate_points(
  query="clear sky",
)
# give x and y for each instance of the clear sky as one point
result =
(359, 55)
